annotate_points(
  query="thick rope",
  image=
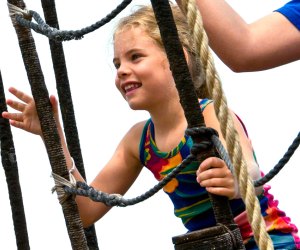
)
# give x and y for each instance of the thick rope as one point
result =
(214, 89)
(49, 129)
(66, 105)
(10, 166)
(187, 94)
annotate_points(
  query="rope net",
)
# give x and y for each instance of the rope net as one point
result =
(211, 88)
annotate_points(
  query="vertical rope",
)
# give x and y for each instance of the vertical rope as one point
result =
(48, 125)
(214, 88)
(185, 87)
(66, 105)
(9, 162)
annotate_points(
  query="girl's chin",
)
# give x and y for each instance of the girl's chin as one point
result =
(134, 106)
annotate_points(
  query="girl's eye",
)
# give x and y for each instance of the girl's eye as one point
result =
(135, 56)
(117, 65)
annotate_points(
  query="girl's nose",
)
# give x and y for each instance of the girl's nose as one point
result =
(123, 70)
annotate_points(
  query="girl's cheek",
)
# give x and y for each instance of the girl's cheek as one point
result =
(117, 83)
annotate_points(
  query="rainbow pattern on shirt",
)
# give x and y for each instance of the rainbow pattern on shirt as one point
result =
(191, 201)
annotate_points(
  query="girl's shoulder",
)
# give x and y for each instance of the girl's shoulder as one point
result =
(135, 132)
(129, 145)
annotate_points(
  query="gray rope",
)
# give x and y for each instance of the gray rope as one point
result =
(23, 17)
(222, 152)
(281, 163)
(273, 172)
(83, 189)
(117, 200)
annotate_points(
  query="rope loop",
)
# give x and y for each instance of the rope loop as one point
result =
(60, 183)
(232, 237)
(199, 147)
(201, 131)
(15, 11)
(201, 139)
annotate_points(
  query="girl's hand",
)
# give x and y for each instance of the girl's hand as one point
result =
(27, 117)
(215, 176)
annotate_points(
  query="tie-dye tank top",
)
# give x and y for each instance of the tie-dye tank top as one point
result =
(191, 201)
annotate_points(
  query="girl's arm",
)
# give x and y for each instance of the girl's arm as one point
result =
(269, 42)
(117, 175)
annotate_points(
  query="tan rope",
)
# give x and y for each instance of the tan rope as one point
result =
(60, 183)
(15, 10)
(214, 90)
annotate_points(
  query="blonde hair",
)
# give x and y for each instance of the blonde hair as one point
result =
(144, 18)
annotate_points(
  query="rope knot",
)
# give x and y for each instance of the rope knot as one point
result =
(232, 236)
(202, 134)
(60, 183)
(198, 132)
(16, 11)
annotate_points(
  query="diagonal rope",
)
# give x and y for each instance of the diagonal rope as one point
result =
(214, 89)
(281, 163)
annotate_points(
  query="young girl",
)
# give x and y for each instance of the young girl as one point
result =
(266, 43)
(145, 81)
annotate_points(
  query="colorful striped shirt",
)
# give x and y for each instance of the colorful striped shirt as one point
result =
(191, 201)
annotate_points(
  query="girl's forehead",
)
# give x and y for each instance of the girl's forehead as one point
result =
(132, 36)
(129, 29)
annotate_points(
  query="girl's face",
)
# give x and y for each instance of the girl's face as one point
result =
(143, 75)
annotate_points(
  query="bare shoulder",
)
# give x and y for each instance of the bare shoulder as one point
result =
(135, 132)
(131, 140)
(124, 166)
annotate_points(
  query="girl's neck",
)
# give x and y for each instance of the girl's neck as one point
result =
(169, 129)
(168, 118)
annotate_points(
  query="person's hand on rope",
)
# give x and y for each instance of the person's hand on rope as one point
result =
(216, 177)
(27, 117)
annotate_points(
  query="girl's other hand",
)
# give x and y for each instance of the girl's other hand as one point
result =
(27, 117)
(216, 177)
